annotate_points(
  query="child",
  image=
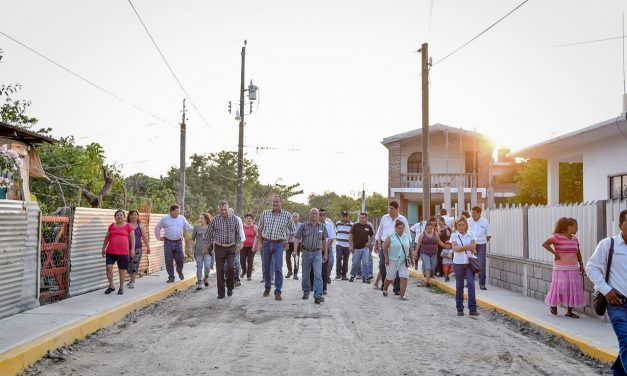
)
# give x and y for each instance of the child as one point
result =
(447, 261)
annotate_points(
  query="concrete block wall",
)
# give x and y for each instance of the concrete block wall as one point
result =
(529, 278)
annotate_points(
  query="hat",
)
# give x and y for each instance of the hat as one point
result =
(344, 212)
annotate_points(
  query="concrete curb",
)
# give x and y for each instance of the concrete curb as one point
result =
(601, 353)
(19, 358)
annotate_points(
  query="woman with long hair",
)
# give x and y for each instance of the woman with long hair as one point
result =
(204, 258)
(566, 282)
(140, 233)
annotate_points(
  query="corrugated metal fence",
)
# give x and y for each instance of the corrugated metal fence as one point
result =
(89, 227)
(19, 256)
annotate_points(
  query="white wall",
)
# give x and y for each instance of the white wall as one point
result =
(600, 160)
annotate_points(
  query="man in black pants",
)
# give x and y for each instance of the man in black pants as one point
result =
(224, 232)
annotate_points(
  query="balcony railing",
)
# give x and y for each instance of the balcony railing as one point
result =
(438, 180)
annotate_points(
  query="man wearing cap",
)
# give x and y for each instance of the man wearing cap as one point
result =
(172, 238)
(313, 235)
(342, 251)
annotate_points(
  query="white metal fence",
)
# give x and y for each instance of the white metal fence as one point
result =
(507, 230)
(542, 220)
(612, 210)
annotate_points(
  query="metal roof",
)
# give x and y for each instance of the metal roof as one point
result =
(433, 128)
(572, 142)
(24, 135)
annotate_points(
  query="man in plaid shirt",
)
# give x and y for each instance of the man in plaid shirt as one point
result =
(275, 228)
(224, 233)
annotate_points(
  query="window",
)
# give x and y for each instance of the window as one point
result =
(414, 163)
(618, 187)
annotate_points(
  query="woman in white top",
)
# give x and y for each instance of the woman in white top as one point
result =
(464, 245)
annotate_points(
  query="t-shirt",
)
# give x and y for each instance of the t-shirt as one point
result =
(360, 234)
(480, 229)
(462, 240)
(566, 249)
(397, 244)
(343, 229)
(118, 239)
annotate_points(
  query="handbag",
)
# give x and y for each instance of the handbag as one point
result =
(599, 302)
(473, 262)
(408, 260)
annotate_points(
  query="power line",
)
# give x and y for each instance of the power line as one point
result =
(85, 79)
(585, 42)
(168, 64)
(480, 34)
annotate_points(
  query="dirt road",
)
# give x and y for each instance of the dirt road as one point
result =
(356, 331)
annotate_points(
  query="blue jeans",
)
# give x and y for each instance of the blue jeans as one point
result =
(618, 316)
(173, 251)
(429, 262)
(481, 252)
(273, 264)
(361, 256)
(463, 271)
(312, 260)
(203, 261)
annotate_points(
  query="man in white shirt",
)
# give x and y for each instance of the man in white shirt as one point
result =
(480, 229)
(172, 238)
(386, 228)
(615, 289)
(328, 265)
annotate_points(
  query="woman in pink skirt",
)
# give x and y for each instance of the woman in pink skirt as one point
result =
(567, 283)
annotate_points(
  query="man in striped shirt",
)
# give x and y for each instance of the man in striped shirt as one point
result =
(275, 229)
(342, 251)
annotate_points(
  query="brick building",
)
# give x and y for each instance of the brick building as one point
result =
(462, 170)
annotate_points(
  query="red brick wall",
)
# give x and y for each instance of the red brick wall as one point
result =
(394, 165)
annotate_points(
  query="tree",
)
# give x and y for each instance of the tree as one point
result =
(531, 178)
(376, 205)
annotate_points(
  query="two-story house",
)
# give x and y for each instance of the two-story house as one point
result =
(462, 170)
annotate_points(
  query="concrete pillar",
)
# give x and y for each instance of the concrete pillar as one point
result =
(553, 182)
(460, 195)
(447, 198)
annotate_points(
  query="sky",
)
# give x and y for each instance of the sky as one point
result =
(335, 78)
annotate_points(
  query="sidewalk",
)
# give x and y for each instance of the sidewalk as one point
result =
(591, 335)
(28, 336)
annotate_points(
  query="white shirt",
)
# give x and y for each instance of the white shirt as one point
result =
(480, 229)
(418, 229)
(618, 271)
(241, 229)
(173, 227)
(330, 229)
(466, 239)
(386, 227)
(449, 221)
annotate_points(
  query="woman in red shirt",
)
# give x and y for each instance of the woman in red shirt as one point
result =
(118, 245)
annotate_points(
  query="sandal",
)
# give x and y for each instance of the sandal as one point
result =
(554, 311)
(385, 293)
(403, 297)
(120, 292)
(376, 287)
(109, 290)
(573, 315)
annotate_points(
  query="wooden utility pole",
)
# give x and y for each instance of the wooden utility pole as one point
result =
(240, 145)
(426, 173)
(182, 164)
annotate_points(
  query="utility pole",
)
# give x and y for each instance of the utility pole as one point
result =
(240, 146)
(182, 165)
(426, 173)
